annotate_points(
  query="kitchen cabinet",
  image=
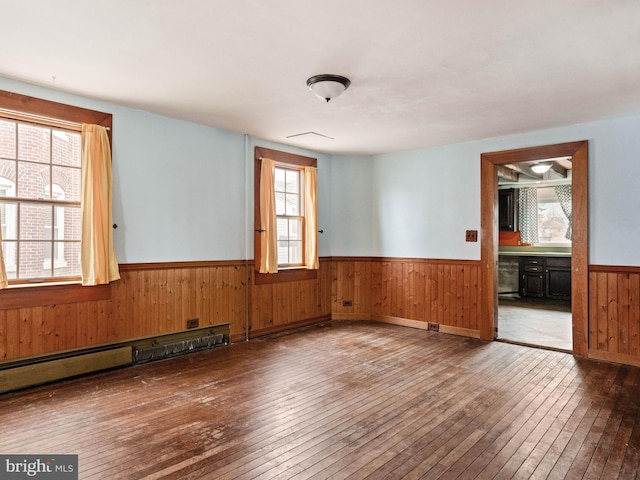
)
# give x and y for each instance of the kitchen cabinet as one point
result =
(508, 210)
(532, 277)
(545, 277)
(558, 277)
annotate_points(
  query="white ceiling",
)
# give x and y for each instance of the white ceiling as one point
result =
(423, 72)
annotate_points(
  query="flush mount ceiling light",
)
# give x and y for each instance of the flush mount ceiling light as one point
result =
(327, 87)
(541, 167)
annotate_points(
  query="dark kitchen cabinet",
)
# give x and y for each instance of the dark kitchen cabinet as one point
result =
(545, 277)
(532, 277)
(508, 210)
(558, 277)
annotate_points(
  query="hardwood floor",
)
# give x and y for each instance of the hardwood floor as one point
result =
(341, 400)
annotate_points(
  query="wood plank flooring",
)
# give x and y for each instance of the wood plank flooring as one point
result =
(341, 400)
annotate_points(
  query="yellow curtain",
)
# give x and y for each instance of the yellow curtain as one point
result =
(311, 217)
(268, 226)
(97, 255)
(3, 271)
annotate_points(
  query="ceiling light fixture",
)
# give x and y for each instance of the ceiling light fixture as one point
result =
(327, 86)
(542, 167)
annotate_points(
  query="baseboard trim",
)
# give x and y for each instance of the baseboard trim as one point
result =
(614, 357)
(405, 322)
(281, 328)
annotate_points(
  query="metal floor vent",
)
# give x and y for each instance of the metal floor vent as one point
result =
(158, 352)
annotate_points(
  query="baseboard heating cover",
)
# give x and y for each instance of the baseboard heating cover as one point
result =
(158, 351)
(49, 370)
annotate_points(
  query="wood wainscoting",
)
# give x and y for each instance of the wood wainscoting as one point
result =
(414, 292)
(154, 299)
(157, 299)
(614, 313)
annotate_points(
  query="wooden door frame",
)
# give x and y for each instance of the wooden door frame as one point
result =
(579, 153)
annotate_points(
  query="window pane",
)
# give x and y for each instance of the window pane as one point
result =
(295, 252)
(7, 178)
(295, 229)
(283, 253)
(33, 180)
(68, 223)
(35, 221)
(68, 183)
(9, 220)
(293, 204)
(67, 260)
(293, 185)
(34, 143)
(7, 139)
(9, 252)
(283, 229)
(65, 148)
(32, 255)
(279, 180)
(280, 204)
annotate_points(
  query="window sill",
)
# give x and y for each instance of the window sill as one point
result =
(29, 295)
(286, 275)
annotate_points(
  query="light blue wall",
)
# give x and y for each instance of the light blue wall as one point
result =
(422, 201)
(178, 186)
(184, 191)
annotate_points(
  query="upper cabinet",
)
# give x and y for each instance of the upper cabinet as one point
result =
(508, 210)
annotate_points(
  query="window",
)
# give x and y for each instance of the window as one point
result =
(40, 199)
(40, 187)
(290, 185)
(290, 219)
(553, 223)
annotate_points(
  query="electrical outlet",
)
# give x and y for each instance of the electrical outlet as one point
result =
(347, 303)
(471, 236)
(193, 323)
(433, 327)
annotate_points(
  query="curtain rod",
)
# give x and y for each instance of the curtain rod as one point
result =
(42, 120)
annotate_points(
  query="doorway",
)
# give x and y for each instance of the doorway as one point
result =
(534, 253)
(578, 153)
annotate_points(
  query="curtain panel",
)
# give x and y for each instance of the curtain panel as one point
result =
(268, 225)
(4, 281)
(528, 215)
(311, 217)
(564, 197)
(97, 253)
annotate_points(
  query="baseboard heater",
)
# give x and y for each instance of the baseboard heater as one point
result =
(171, 346)
(34, 371)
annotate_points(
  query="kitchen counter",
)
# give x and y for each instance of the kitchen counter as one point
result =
(535, 251)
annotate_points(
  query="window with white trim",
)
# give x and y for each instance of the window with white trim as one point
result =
(288, 184)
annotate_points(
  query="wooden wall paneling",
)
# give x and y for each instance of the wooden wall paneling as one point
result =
(468, 301)
(34, 322)
(440, 281)
(13, 333)
(3, 335)
(70, 337)
(593, 310)
(602, 290)
(623, 313)
(612, 312)
(54, 329)
(25, 340)
(634, 314)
